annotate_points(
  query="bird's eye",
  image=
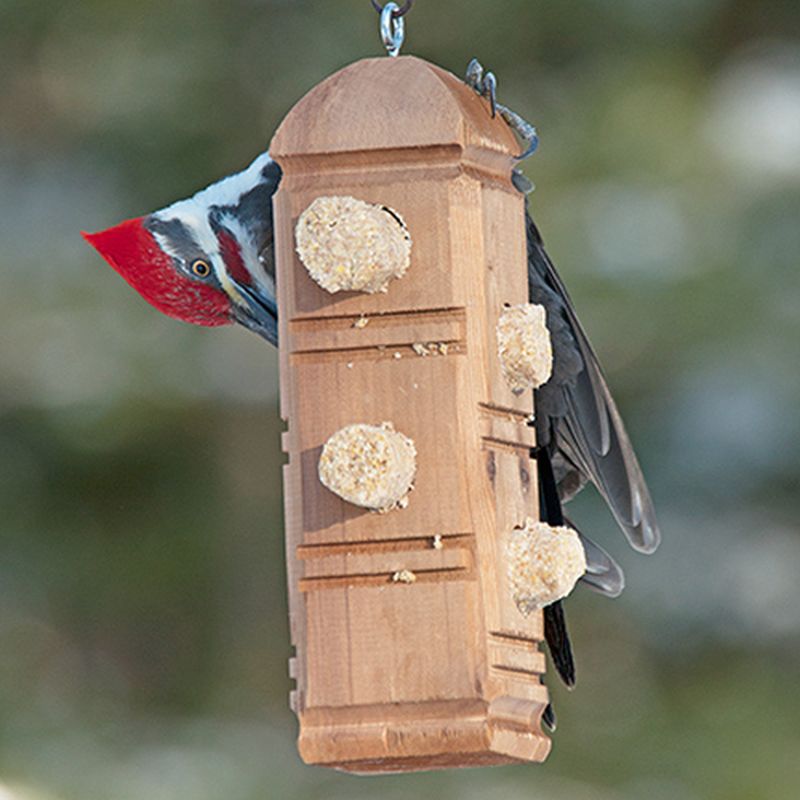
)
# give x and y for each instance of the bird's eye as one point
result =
(200, 268)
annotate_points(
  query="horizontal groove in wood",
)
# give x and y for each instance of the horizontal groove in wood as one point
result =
(490, 177)
(385, 579)
(389, 329)
(342, 181)
(387, 352)
(495, 443)
(322, 549)
(508, 431)
(384, 159)
(517, 658)
(518, 673)
(400, 165)
(505, 412)
(388, 562)
(354, 331)
(382, 713)
(524, 690)
(514, 639)
(403, 316)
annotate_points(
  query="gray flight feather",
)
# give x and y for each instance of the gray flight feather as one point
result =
(603, 574)
(576, 417)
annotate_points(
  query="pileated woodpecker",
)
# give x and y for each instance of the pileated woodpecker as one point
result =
(209, 260)
(206, 260)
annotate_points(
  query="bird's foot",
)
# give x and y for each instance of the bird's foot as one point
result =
(485, 84)
(523, 129)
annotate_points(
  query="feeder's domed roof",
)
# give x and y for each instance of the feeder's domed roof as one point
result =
(390, 103)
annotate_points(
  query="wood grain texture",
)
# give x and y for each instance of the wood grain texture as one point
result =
(444, 671)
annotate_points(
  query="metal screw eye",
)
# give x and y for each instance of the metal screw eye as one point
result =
(400, 12)
(393, 29)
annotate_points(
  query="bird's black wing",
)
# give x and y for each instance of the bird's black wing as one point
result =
(577, 419)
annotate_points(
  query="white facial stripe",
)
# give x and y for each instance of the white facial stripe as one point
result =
(194, 214)
(227, 191)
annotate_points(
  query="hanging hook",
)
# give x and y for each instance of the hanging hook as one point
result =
(393, 29)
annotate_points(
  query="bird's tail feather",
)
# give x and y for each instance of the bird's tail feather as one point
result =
(555, 624)
(557, 638)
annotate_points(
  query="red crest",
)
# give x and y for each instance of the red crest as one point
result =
(133, 252)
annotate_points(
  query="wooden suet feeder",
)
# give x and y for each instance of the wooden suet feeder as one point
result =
(410, 650)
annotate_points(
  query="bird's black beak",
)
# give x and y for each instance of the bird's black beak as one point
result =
(259, 312)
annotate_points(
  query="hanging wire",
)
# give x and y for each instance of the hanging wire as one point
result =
(396, 14)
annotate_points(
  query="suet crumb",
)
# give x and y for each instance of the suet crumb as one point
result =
(420, 349)
(431, 348)
(361, 322)
(404, 576)
(400, 504)
(349, 245)
(370, 466)
(544, 564)
(524, 347)
(438, 544)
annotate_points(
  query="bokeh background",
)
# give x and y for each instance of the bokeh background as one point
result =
(143, 632)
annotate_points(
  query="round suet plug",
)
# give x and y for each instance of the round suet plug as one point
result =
(544, 564)
(369, 465)
(348, 245)
(524, 347)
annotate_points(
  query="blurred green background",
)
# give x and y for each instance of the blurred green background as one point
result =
(143, 633)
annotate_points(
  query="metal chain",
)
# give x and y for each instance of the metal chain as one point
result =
(396, 12)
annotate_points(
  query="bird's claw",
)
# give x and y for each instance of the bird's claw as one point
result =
(474, 75)
(490, 89)
(523, 129)
(523, 184)
(485, 84)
